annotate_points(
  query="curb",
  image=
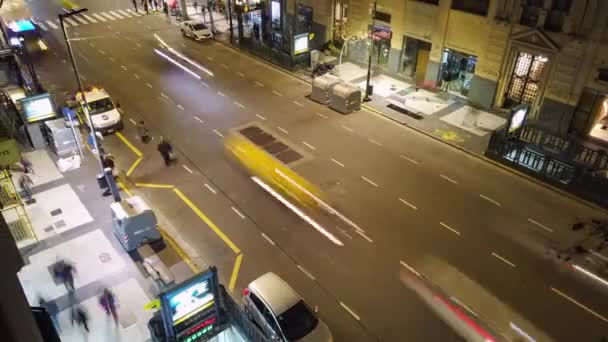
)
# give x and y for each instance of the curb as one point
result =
(460, 148)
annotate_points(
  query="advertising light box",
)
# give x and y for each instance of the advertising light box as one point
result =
(37, 108)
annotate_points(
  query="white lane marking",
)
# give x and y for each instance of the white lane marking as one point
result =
(224, 66)
(198, 119)
(91, 44)
(258, 83)
(308, 274)
(360, 232)
(268, 239)
(218, 133)
(124, 68)
(309, 145)
(187, 168)
(240, 74)
(150, 27)
(64, 23)
(180, 107)
(490, 200)
(221, 94)
(282, 129)
(277, 93)
(348, 128)
(536, 223)
(210, 58)
(598, 255)
(369, 181)
(321, 115)
(374, 142)
(521, 333)
(351, 312)
(409, 268)
(133, 121)
(407, 203)
(70, 21)
(239, 104)
(116, 14)
(590, 275)
(138, 45)
(448, 179)
(107, 16)
(64, 60)
(210, 189)
(261, 117)
(149, 85)
(99, 17)
(94, 21)
(164, 95)
(298, 211)
(136, 14)
(136, 76)
(337, 162)
(413, 161)
(345, 233)
(101, 52)
(238, 213)
(298, 104)
(503, 259)
(579, 304)
(124, 13)
(450, 228)
(80, 20)
(111, 59)
(42, 26)
(52, 24)
(205, 84)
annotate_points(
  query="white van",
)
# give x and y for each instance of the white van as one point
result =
(104, 114)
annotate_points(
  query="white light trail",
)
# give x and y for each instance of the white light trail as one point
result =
(176, 63)
(193, 63)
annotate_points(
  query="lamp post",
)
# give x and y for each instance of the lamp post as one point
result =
(84, 104)
(370, 52)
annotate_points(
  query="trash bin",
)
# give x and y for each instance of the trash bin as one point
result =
(322, 87)
(102, 181)
(370, 90)
(345, 98)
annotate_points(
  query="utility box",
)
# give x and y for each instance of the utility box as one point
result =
(322, 88)
(61, 137)
(134, 223)
(155, 267)
(345, 98)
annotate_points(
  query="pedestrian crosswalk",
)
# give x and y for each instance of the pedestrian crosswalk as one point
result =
(88, 18)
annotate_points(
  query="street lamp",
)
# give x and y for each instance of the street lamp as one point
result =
(370, 52)
(84, 104)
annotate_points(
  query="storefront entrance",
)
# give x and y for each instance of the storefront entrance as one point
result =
(382, 44)
(526, 79)
(591, 116)
(457, 70)
(414, 58)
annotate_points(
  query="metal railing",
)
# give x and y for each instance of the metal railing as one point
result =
(564, 162)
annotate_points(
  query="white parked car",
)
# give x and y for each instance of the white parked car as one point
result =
(196, 30)
(280, 313)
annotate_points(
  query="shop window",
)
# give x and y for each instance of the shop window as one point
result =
(457, 71)
(556, 15)
(479, 7)
(526, 79)
(340, 19)
(275, 13)
(530, 12)
(602, 74)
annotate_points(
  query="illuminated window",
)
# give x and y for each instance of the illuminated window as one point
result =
(526, 78)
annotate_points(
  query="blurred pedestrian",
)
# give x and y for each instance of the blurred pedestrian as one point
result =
(26, 165)
(64, 272)
(52, 309)
(135, 5)
(108, 303)
(142, 132)
(25, 182)
(166, 150)
(80, 317)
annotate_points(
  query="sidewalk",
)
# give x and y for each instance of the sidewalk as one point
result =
(72, 222)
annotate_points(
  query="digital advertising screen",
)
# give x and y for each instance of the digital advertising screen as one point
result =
(37, 107)
(300, 43)
(190, 309)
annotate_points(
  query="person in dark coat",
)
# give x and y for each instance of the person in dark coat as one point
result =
(165, 149)
(108, 303)
(80, 317)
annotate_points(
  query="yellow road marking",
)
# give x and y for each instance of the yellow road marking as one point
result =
(135, 164)
(182, 254)
(124, 188)
(155, 186)
(205, 219)
(235, 272)
(129, 145)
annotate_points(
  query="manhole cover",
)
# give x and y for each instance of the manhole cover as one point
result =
(48, 229)
(56, 212)
(271, 144)
(105, 258)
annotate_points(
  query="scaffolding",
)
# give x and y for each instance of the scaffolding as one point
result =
(14, 213)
